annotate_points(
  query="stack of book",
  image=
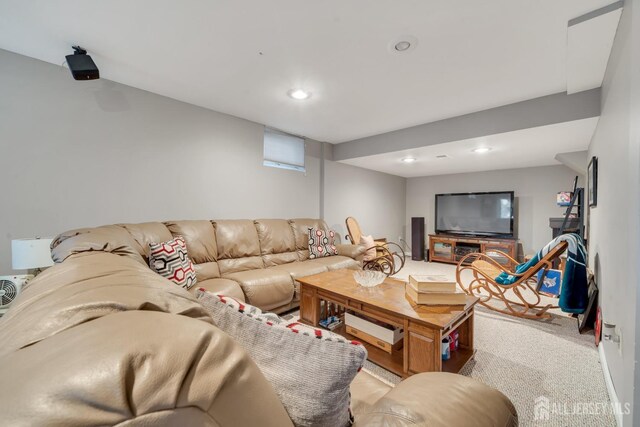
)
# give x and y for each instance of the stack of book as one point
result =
(434, 290)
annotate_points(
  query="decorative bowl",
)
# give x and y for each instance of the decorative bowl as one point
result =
(369, 278)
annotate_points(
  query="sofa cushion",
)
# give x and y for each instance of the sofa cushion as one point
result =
(220, 286)
(365, 391)
(146, 233)
(238, 246)
(301, 268)
(170, 260)
(207, 270)
(300, 227)
(235, 265)
(278, 259)
(434, 399)
(336, 262)
(200, 237)
(296, 270)
(265, 288)
(310, 369)
(109, 238)
(321, 243)
(277, 242)
(351, 251)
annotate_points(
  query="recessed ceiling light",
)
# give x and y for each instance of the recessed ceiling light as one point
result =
(409, 159)
(402, 45)
(299, 94)
(481, 150)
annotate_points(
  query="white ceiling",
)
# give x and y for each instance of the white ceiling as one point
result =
(519, 149)
(241, 57)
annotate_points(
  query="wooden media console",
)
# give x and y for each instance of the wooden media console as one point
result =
(451, 249)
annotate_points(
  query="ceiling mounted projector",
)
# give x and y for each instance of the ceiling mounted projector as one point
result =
(81, 65)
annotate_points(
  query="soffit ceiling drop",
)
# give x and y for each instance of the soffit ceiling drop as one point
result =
(242, 58)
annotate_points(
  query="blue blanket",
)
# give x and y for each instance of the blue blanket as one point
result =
(574, 294)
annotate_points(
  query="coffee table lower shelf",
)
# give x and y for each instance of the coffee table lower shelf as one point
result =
(334, 293)
(394, 362)
(391, 362)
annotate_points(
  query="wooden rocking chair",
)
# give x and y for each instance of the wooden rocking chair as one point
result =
(390, 257)
(519, 299)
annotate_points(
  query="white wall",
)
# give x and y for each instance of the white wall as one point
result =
(75, 154)
(535, 191)
(375, 199)
(614, 224)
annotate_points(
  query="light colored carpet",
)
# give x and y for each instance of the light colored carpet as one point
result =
(526, 359)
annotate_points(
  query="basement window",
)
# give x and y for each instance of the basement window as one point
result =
(283, 151)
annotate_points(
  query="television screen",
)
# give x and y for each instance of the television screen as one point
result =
(482, 214)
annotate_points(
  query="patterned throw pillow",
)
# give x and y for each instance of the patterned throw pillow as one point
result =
(321, 243)
(310, 369)
(170, 260)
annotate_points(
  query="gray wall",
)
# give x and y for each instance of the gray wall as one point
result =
(375, 199)
(535, 191)
(614, 223)
(77, 154)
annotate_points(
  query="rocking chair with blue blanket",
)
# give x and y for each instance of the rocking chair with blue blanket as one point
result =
(516, 292)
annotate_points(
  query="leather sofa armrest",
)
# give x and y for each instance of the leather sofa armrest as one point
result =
(137, 367)
(352, 251)
(438, 399)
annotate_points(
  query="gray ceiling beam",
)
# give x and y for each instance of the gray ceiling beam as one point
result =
(546, 110)
(595, 13)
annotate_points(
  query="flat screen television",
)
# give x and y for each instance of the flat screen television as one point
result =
(475, 214)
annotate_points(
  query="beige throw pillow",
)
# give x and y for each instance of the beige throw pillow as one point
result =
(309, 368)
(367, 242)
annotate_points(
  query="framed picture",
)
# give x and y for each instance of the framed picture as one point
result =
(592, 177)
(549, 282)
(588, 319)
(564, 198)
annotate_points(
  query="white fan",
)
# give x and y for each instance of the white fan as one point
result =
(10, 287)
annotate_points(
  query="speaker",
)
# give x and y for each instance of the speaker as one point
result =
(417, 238)
(81, 65)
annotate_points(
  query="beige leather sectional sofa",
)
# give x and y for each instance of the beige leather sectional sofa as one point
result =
(256, 261)
(100, 339)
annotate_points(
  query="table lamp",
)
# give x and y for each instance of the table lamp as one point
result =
(31, 254)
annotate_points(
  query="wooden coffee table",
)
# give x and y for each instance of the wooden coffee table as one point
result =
(424, 326)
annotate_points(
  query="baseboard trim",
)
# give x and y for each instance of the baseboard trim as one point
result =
(609, 382)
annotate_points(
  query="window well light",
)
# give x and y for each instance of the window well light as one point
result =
(299, 94)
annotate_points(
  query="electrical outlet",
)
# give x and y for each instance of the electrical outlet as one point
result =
(619, 334)
(612, 333)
